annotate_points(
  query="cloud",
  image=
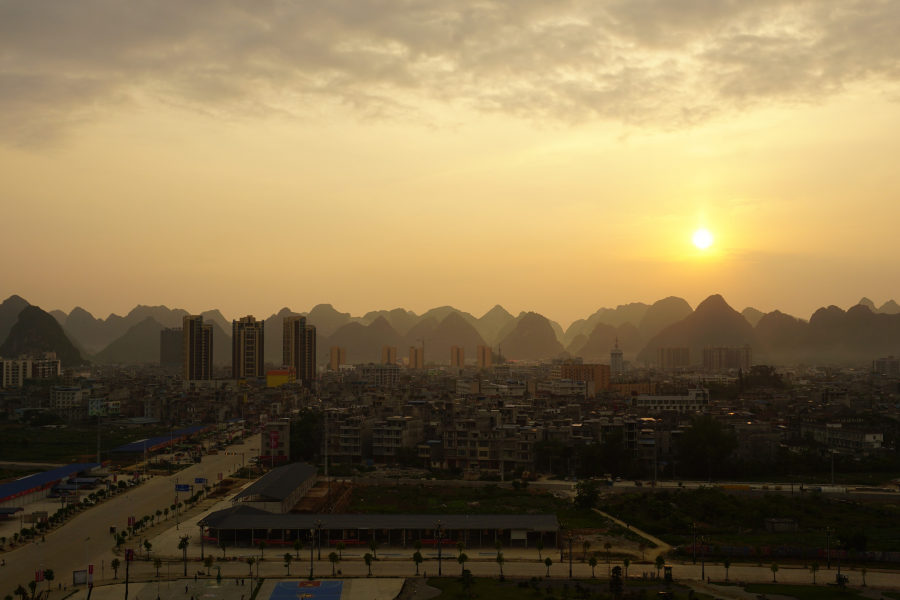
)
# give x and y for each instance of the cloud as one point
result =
(663, 64)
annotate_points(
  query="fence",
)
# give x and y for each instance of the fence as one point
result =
(790, 552)
(561, 486)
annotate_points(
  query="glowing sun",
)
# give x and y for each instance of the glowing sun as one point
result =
(703, 239)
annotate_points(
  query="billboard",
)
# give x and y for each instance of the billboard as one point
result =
(79, 577)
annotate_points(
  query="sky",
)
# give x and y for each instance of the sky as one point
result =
(547, 155)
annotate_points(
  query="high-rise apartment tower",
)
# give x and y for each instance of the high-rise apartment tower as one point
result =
(389, 355)
(248, 344)
(338, 358)
(457, 356)
(484, 357)
(197, 342)
(299, 348)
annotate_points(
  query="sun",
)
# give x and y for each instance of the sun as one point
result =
(703, 239)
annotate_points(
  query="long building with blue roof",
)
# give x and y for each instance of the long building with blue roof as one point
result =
(31, 488)
(159, 442)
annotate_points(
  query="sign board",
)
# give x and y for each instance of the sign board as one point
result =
(131, 521)
(38, 576)
(182, 487)
(79, 577)
(129, 554)
(220, 477)
(273, 439)
(200, 480)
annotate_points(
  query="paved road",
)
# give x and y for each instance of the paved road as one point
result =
(85, 539)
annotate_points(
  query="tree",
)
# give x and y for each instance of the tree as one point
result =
(706, 443)
(462, 559)
(593, 562)
(500, 560)
(250, 561)
(340, 547)
(642, 546)
(165, 512)
(208, 563)
(157, 564)
(774, 569)
(417, 558)
(158, 515)
(587, 494)
(222, 544)
(287, 562)
(32, 585)
(49, 575)
(814, 568)
(539, 544)
(20, 591)
(616, 585)
(262, 549)
(468, 582)
(659, 564)
(863, 572)
(334, 558)
(607, 546)
(147, 546)
(727, 564)
(417, 544)
(373, 546)
(368, 558)
(460, 546)
(498, 545)
(585, 546)
(298, 546)
(183, 546)
(626, 562)
(115, 567)
(548, 562)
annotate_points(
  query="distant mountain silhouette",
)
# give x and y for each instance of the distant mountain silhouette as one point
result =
(780, 336)
(661, 314)
(624, 313)
(60, 316)
(532, 338)
(753, 315)
(854, 337)
(713, 323)
(890, 307)
(603, 339)
(221, 344)
(400, 319)
(424, 329)
(364, 342)
(575, 346)
(36, 332)
(140, 344)
(9, 314)
(274, 330)
(454, 330)
(211, 315)
(95, 333)
(491, 322)
(327, 319)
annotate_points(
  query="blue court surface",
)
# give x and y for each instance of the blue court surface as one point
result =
(307, 590)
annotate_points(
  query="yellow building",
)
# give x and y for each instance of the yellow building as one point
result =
(389, 355)
(416, 357)
(279, 377)
(338, 358)
(484, 357)
(457, 356)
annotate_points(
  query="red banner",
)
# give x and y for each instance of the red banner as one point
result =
(273, 439)
(38, 576)
(129, 554)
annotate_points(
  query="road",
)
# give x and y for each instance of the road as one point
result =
(85, 539)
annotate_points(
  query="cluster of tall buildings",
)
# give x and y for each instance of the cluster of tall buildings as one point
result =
(715, 358)
(483, 357)
(191, 346)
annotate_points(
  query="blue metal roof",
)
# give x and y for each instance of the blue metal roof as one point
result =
(43, 480)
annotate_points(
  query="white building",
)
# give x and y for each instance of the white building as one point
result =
(14, 372)
(693, 401)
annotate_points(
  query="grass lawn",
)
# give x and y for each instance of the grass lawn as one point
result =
(894, 595)
(802, 592)
(405, 499)
(491, 589)
(65, 445)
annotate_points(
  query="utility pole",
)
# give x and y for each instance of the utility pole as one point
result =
(439, 525)
(570, 555)
(694, 530)
(703, 541)
(828, 532)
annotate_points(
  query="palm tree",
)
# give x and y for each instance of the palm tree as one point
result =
(548, 562)
(774, 569)
(287, 562)
(373, 546)
(335, 558)
(814, 568)
(165, 512)
(298, 546)
(500, 560)
(158, 515)
(593, 562)
(540, 547)
(608, 547)
(147, 546)
(462, 559)
(250, 561)
(417, 558)
(368, 558)
(585, 546)
(642, 546)
(626, 562)
(340, 547)
(262, 549)
(157, 564)
(727, 564)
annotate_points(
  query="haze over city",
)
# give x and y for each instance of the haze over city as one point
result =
(430, 300)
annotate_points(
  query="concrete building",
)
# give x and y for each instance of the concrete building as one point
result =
(14, 372)
(724, 358)
(599, 374)
(416, 357)
(457, 356)
(669, 358)
(171, 348)
(690, 401)
(392, 434)
(838, 437)
(381, 375)
(279, 490)
(197, 343)
(248, 343)
(389, 355)
(276, 442)
(484, 357)
(886, 366)
(299, 348)
(617, 359)
(349, 438)
(279, 377)
(337, 358)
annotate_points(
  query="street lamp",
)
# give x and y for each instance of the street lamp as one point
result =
(837, 545)
(312, 532)
(703, 542)
(570, 554)
(694, 531)
(828, 533)
(318, 525)
(562, 535)
(439, 525)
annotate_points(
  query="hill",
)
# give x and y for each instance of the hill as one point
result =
(327, 319)
(853, 337)
(454, 330)
(603, 339)
(753, 315)
(36, 332)
(9, 314)
(214, 315)
(60, 316)
(624, 313)
(713, 323)
(780, 336)
(889, 308)
(274, 329)
(140, 344)
(364, 342)
(491, 322)
(532, 338)
(661, 314)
